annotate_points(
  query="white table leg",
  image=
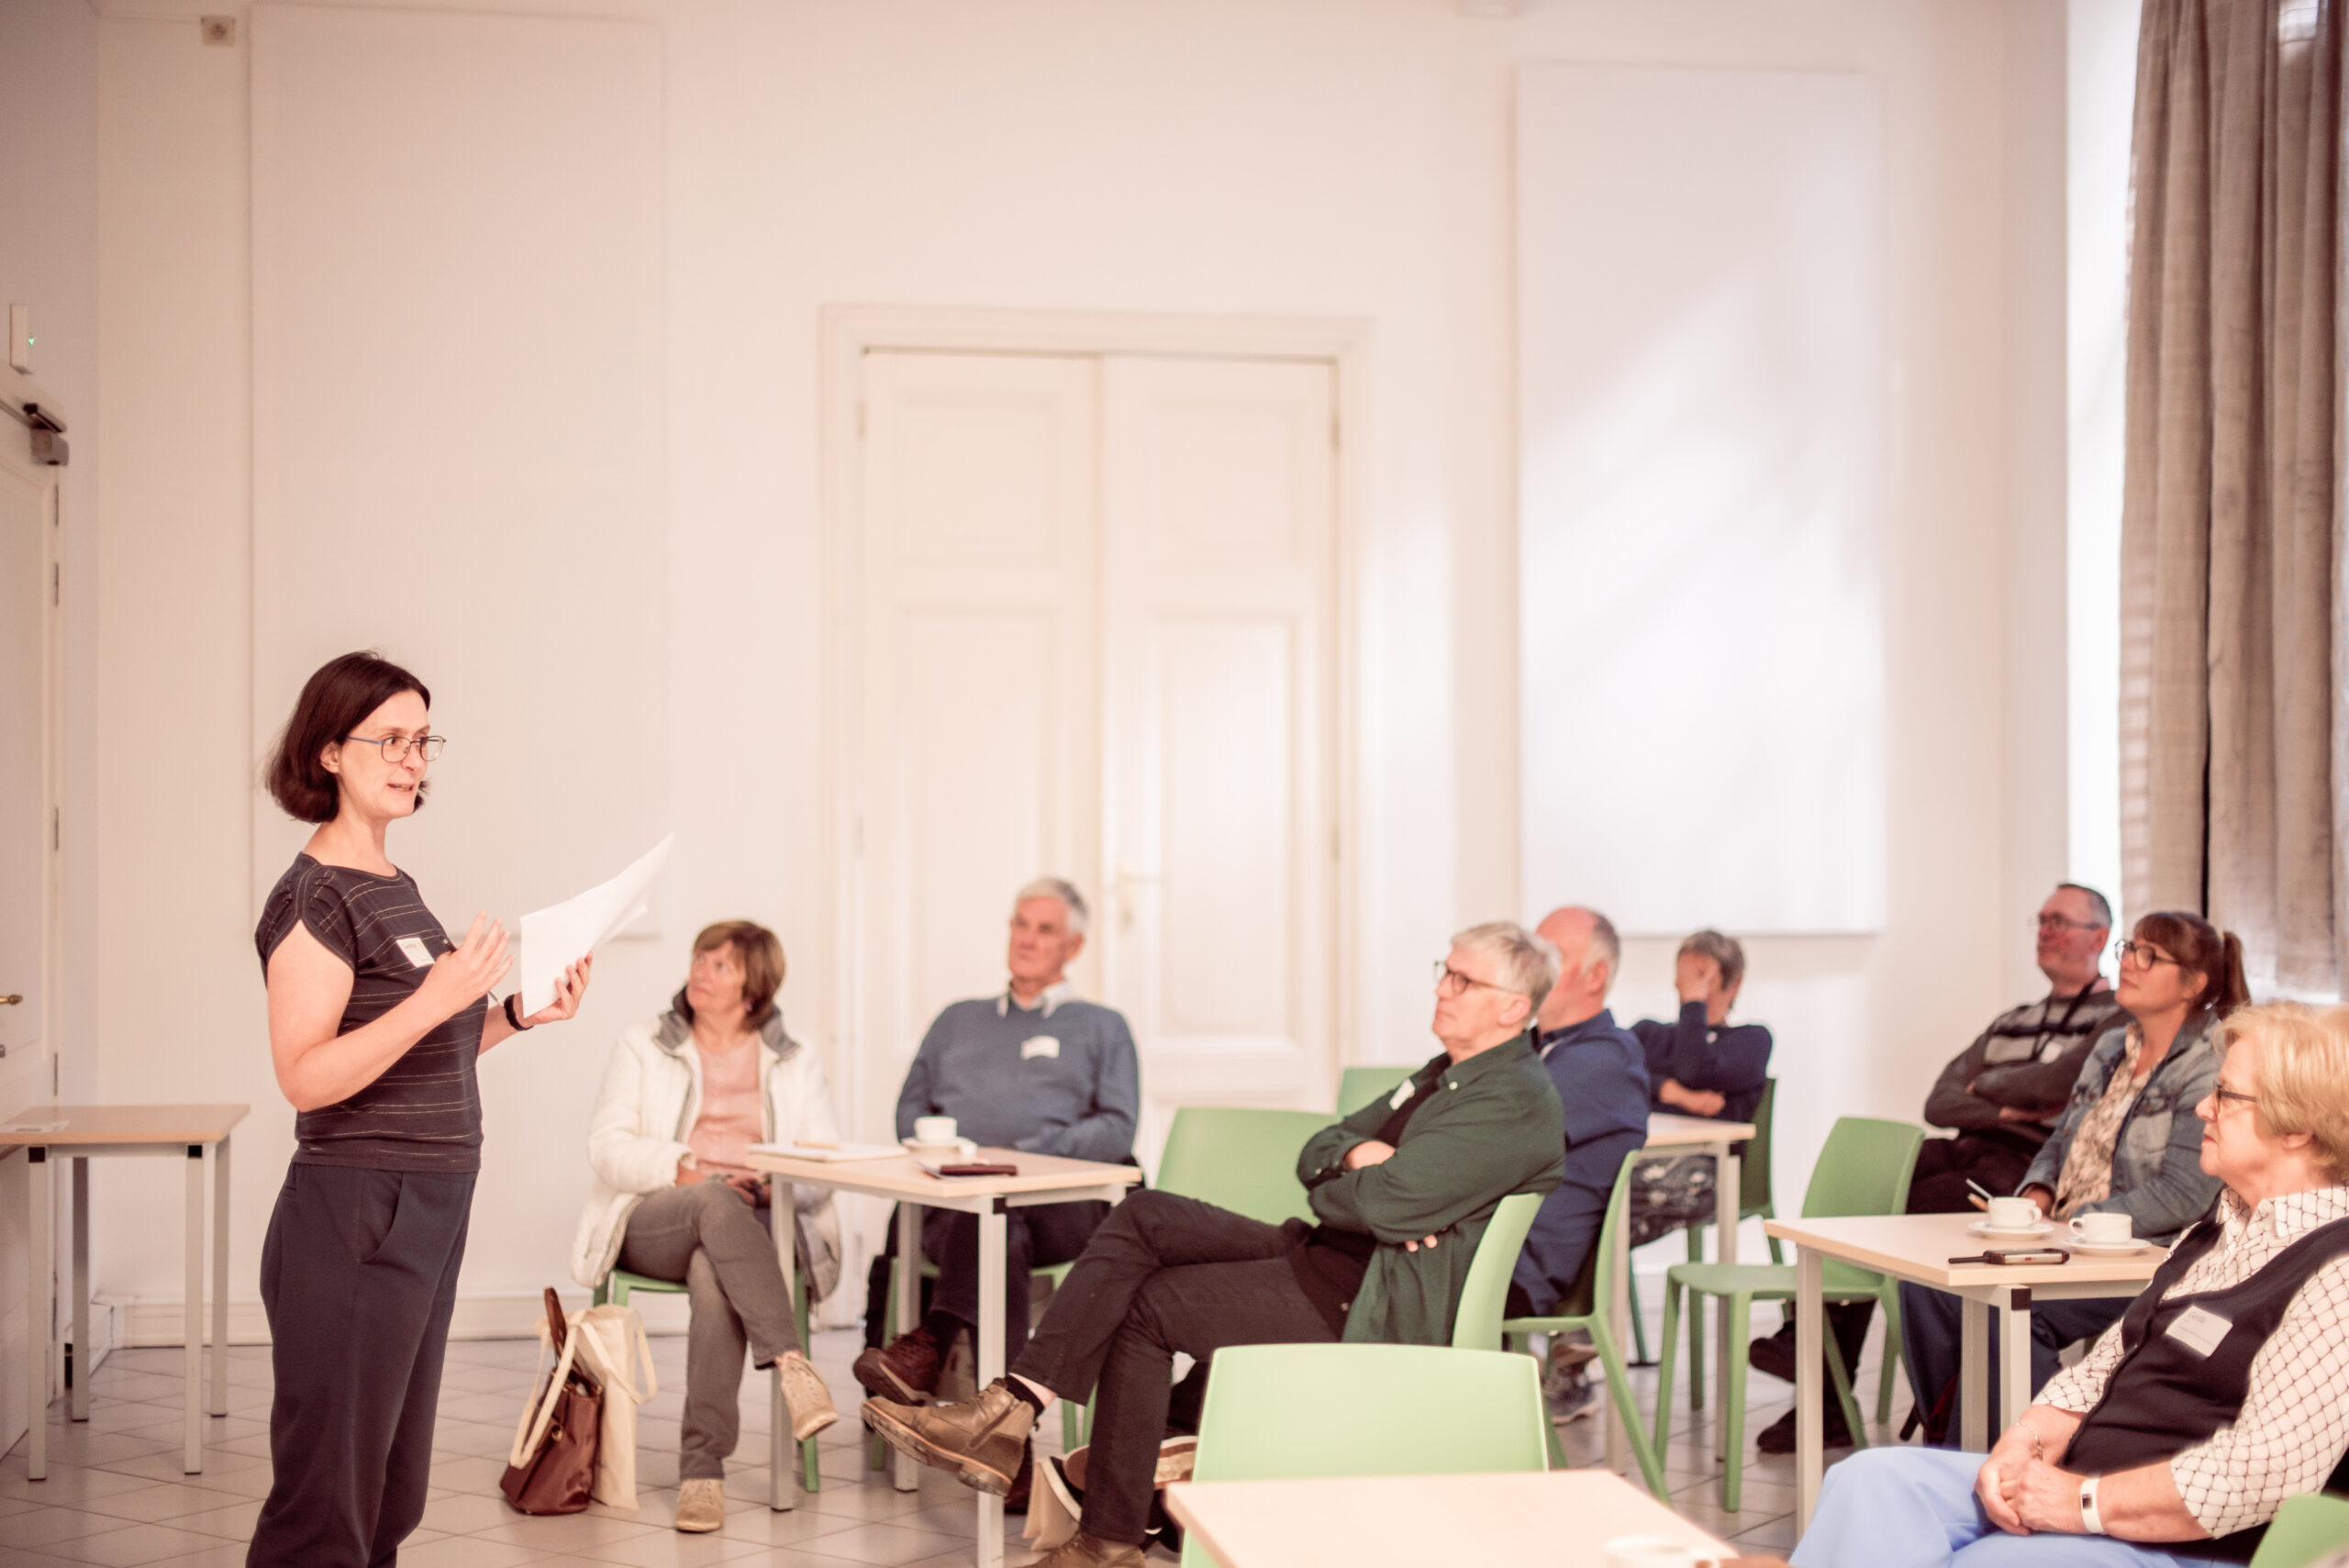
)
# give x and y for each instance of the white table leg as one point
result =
(219, 1403)
(992, 1329)
(36, 1324)
(192, 1460)
(909, 1313)
(1810, 1418)
(2014, 1358)
(1726, 1205)
(782, 1217)
(1618, 1322)
(77, 1178)
(1973, 1376)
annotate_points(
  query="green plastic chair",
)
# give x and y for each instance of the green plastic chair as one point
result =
(1289, 1412)
(1585, 1307)
(619, 1285)
(1239, 1159)
(1752, 1202)
(1357, 1087)
(2306, 1528)
(1863, 1169)
(1477, 1319)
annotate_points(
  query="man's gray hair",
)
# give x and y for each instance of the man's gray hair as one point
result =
(1528, 964)
(1605, 946)
(1061, 889)
(2099, 911)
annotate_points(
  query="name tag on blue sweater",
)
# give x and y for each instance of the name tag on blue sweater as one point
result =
(1039, 1045)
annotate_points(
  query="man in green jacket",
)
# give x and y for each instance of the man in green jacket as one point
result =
(1403, 1189)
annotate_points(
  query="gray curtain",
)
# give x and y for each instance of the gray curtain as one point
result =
(2233, 603)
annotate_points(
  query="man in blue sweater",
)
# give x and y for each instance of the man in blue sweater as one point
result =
(1033, 1069)
(1602, 1082)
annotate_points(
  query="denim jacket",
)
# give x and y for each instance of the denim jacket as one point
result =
(2157, 1177)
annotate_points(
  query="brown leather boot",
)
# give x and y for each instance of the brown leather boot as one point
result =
(1085, 1550)
(905, 1370)
(982, 1440)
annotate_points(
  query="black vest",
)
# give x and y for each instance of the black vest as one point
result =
(2165, 1395)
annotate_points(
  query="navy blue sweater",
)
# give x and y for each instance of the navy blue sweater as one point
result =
(1733, 1060)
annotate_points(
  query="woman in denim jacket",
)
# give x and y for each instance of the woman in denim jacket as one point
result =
(2129, 1144)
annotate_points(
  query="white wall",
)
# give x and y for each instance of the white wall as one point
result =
(1346, 157)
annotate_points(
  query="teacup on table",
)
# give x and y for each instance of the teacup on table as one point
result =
(934, 1131)
(2013, 1214)
(2103, 1229)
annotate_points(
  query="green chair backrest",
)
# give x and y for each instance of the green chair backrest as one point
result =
(1594, 1286)
(1476, 1318)
(2307, 1526)
(1357, 1087)
(1287, 1412)
(1863, 1168)
(1753, 1168)
(1241, 1160)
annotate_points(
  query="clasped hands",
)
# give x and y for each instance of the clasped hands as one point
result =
(1370, 1151)
(2021, 1492)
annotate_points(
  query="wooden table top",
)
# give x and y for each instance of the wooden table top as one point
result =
(1559, 1519)
(120, 1124)
(1918, 1247)
(899, 1176)
(1668, 1131)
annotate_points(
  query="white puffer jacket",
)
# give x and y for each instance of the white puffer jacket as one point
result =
(650, 1096)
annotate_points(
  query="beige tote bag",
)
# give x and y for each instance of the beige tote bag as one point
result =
(614, 1350)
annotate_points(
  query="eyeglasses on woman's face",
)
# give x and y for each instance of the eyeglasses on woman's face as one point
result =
(2144, 955)
(395, 746)
(2226, 1096)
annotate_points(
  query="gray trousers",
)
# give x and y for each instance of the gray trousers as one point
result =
(710, 1237)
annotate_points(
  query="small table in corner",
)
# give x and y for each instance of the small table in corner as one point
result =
(79, 1134)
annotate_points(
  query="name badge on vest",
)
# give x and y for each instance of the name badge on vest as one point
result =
(1039, 1045)
(2200, 1330)
(415, 952)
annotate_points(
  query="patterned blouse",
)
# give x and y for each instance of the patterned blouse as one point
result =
(2295, 1422)
(2087, 1164)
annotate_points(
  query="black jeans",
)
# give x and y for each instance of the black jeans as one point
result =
(359, 1276)
(1164, 1273)
(1032, 1236)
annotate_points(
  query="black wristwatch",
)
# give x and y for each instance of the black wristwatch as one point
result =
(511, 1015)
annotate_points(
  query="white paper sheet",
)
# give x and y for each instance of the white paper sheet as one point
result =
(554, 938)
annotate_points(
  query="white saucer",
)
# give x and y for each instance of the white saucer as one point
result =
(1984, 1227)
(960, 1150)
(2132, 1245)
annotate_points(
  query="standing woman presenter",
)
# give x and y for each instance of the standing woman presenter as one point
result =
(376, 1020)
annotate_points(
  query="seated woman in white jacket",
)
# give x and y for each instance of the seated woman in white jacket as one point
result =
(683, 1095)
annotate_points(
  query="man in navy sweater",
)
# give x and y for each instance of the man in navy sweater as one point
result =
(1602, 1082)
(1033, 1068)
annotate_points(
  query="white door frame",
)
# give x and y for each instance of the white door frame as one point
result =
(851, 331)
(48, 483)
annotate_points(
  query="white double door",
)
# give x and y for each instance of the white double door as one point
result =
(1097, 643)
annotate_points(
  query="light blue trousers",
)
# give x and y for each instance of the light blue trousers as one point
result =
(1914, 1508)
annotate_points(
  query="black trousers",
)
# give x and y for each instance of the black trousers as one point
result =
(357, 1275)
(1042, 1234)
(1162, 1274)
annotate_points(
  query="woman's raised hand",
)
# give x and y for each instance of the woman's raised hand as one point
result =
(463, 975)
(569, 987)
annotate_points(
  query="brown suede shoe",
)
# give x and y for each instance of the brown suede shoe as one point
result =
(1083, 1551)
(984, 1442)
(906, 1370)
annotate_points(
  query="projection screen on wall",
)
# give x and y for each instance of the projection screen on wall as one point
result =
(1701, 418)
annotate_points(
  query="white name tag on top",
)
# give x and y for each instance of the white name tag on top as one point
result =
(2200, 1328)
(415, 952)
(1039, 1045)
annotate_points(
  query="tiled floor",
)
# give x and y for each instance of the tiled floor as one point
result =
(115, 1495)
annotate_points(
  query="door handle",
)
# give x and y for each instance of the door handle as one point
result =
(11, 999)
(1128, 880)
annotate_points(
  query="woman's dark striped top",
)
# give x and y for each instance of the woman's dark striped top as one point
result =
(423, 1112)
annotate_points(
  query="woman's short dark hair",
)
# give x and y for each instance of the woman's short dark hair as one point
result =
(335, 700)
(759, 951)
(2201, 949)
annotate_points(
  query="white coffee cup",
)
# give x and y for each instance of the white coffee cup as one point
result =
(1651, 1552)
(934, 1131)
(2105, 1229)
(2013, 1214)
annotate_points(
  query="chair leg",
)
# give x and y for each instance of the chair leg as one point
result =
(1888, 1308)
(811, 1479)
(1696, 1357)
(1841, 1377)
(1639, 1356)
(1664, 1363)
(1740, 1315)
(1072, 1425)
(1619, 1389)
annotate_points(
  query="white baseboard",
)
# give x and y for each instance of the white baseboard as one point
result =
(146, 1322)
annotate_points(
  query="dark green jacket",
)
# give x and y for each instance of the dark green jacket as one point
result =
(1493, 1127)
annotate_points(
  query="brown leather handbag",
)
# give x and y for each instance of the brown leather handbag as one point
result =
(552, 1467)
